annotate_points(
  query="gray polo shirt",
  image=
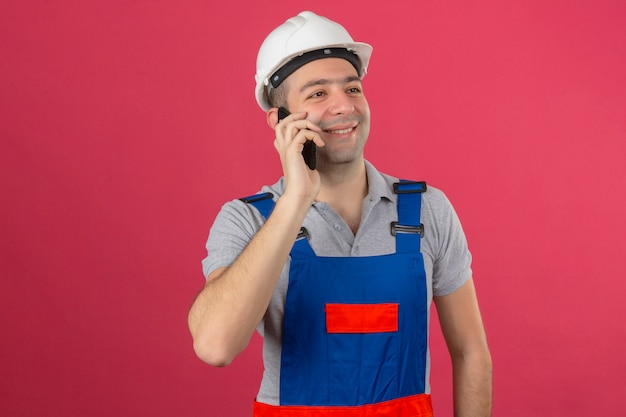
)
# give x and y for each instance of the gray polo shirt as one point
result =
(447, 260)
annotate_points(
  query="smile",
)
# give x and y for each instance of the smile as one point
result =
(340, 131)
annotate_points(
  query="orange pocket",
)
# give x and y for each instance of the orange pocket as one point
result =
(361, 318)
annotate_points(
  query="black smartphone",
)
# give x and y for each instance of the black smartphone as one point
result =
(309, 152)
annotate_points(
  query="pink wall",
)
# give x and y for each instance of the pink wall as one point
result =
(125, 125)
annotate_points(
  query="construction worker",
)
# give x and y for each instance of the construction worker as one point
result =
(337, 264)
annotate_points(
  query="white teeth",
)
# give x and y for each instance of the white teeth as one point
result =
(341, 131)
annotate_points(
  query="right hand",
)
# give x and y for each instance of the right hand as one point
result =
(291, 134)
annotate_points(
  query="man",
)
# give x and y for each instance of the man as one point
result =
(337, 266)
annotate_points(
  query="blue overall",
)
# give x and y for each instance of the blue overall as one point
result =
(355, 328)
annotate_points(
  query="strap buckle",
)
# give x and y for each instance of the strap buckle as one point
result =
(257, 197)
(303, 234)
(401, 228)
(409, 187)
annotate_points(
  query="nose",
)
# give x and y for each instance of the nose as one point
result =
(342, 103)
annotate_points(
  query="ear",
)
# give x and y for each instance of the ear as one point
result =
(272, 117)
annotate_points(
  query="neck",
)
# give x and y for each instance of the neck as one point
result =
(344, 190)
(343, 182)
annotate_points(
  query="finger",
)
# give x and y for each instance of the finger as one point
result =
(298, 120)
(285, 130)
(294, 128)
(304, 124)
(305, 134)
(292, 117)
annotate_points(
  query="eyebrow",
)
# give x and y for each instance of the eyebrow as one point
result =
(326, 81)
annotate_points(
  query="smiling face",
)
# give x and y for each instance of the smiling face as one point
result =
(331, 93)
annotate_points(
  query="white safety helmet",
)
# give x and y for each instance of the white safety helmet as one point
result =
(306, 32)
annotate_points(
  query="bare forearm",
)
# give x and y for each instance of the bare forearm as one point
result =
(472, 375)
(223, 317)
(463, 330)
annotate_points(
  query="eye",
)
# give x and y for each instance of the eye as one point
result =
(317, 94)
(354, 90)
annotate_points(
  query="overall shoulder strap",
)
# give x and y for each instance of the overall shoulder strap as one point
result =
(264, 202)
(408, 230)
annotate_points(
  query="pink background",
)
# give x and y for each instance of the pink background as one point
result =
(126, 124)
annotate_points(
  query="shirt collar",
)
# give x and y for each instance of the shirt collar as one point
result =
(378, 186)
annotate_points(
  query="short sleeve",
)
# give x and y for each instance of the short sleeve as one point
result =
(452, 258)
(232, 230)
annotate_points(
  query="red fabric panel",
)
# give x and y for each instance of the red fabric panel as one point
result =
(413, 406)
(361, 318)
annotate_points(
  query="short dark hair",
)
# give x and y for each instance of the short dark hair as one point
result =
(277, 97)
